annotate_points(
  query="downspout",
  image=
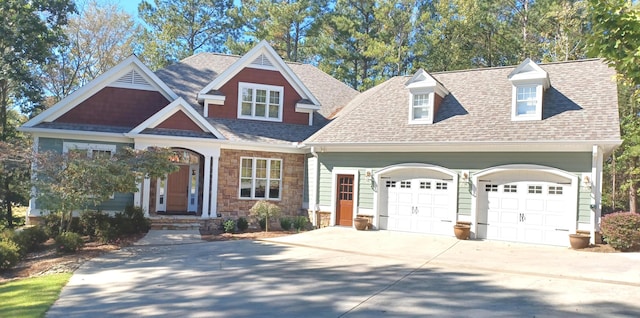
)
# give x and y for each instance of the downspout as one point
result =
(314, 209)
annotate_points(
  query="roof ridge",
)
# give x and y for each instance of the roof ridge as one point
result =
(511, 66)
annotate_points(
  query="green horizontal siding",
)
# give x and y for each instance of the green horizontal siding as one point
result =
(576, 163)
(120, 200)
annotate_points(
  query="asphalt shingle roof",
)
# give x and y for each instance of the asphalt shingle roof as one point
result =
(580, 105)
(192, 74)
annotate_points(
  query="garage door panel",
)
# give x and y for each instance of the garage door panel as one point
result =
(509, 217)
(534, 205)
(424, 199)
(524, 211)
(509, 203)
(441, 213)
(441, 200)
(555, 206)
(536, 219)
(419, 205)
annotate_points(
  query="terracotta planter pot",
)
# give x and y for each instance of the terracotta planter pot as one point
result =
(361, 223)
(579, 241)
(462, 232)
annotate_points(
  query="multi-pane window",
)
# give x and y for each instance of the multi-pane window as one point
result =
(391, 184)
(420, 106)
(526, 100)
(555, 190)
(260, 178)
(491, 188)
(535, 189)
(441, 186)
(405, 184)
(263, 102)
(510, 188)
(425, 185)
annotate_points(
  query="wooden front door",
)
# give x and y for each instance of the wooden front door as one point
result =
(178, 190)
(344, 204)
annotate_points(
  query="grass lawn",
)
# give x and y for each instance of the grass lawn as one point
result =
(31, 297)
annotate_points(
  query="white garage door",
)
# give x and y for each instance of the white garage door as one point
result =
(530, 212)
(419, 205)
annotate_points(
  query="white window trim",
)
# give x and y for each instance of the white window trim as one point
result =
(90, 148)
(431, 96)
(268, 88)
(514, 103)
(66, 146)
(253, 179)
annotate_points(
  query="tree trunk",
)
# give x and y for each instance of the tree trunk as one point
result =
(633, 197)
(8, 203)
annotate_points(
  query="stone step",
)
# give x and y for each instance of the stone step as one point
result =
(175, 222)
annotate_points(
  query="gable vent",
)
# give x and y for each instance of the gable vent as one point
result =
(132, 78)
(262, 60)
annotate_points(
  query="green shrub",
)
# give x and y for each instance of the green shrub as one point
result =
(9, 254)
(229, 226)
(68, 242)
(29, 239)
(300, 223)
(93, 223)
(263, 223)
(139, 223)
(285, 224)
(242, 224)
(53, 224)
(621, 230)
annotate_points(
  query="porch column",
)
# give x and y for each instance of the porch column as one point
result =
(206, 191)
(137, 196)
(596, 191)
(213, 208)
(145, 196)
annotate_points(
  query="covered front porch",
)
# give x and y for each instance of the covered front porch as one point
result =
(188, 191)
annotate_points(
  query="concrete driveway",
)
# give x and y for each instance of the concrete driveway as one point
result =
(340, 272)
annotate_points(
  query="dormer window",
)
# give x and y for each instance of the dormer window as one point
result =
(423, 104)
(529, 82)
(526, 100)
(260, 102)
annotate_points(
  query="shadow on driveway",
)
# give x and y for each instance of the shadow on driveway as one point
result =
(258, 279)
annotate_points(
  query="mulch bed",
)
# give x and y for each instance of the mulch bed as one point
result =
(214, 237)
(48, 261)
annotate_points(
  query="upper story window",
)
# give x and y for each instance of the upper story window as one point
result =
(260, 102)
(528, 82)
(421, 106)
(527, 100)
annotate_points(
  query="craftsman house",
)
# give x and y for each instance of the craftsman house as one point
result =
(515, 151)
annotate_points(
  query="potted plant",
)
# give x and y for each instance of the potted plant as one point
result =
(361, 223)
(462, 230)
(579, 241)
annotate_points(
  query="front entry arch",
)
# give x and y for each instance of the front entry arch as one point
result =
(180, 191)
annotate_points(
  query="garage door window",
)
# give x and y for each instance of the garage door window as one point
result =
(535, 189)
(555, 190)
(441, 186)
(510, 188)
(405, 184)
(391, 184)
(491, 188)
(425, 185)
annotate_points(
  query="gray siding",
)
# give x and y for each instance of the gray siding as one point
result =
(576, 163)
(120, 200)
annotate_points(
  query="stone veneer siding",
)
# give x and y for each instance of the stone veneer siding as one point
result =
(229, 203)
